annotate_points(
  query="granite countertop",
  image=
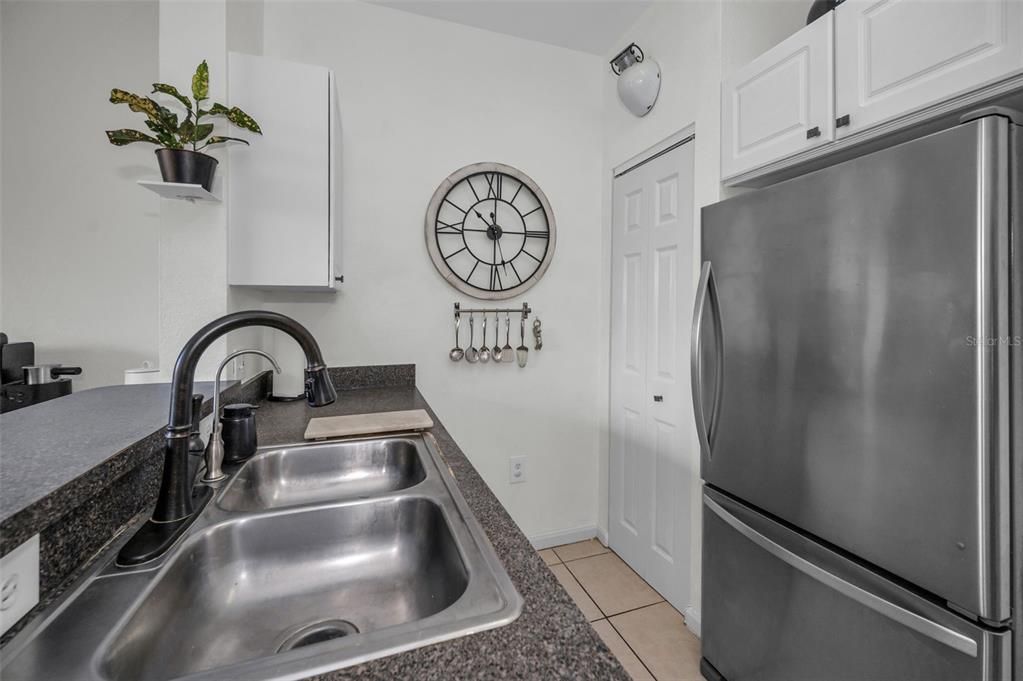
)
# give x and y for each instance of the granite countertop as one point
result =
(52, 445)
(551, 639)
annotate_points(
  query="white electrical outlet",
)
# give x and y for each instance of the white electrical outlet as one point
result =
(517, 469)
(19, 583)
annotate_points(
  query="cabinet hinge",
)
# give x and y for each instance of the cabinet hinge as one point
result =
(815, 131)
(842, 121)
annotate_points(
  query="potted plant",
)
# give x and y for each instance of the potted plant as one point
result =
(181, 143)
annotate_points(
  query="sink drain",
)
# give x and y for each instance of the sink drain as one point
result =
(318, 632)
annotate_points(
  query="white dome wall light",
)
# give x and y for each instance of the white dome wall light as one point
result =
(639, 79)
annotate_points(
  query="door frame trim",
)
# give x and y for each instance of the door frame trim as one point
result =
(662, 152)
(677, 138)
(682, 136)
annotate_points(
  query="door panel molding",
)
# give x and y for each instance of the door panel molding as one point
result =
(649, 509)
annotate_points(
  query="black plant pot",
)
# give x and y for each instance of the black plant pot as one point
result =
(187, 167)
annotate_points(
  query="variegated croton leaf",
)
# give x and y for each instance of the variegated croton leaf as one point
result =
(125, 136)
(236, 116)
(216, 139)
(201, 82)
(166, 139)
(202, 131)
(186, 129)
(158, 114)
(173, 92)
(164, 124)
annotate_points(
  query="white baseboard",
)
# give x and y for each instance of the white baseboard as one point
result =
(549, 539)
(602, 536)
(692, 617)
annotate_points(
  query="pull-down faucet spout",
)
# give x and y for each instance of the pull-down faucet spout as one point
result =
(177, 504)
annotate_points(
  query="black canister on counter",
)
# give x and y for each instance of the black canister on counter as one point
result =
(239, 432)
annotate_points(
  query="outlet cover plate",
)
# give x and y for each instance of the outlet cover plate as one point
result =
(516, 469)
(19, 583)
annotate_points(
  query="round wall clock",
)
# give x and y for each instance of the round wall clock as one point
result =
(490, 231)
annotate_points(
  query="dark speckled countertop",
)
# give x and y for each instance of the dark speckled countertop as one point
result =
(551, 639)
(49, 445)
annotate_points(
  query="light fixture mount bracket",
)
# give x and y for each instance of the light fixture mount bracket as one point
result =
(626, 58)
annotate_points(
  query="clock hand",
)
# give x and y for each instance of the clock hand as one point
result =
(504, 263)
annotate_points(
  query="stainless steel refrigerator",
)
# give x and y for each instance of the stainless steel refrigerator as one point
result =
(858, 384)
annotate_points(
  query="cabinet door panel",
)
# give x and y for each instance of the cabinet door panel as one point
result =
(896, 56)
(279, 196)
(780, 103)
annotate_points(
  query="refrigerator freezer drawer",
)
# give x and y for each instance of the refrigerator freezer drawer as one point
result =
(778, 606)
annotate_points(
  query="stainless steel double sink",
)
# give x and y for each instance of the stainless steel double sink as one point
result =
(310, 558)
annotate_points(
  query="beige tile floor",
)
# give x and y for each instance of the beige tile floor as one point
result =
(646, 634)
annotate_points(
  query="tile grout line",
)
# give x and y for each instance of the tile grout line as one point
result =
(607, 618)
(574, 560)
(623, 612)
(629, 646)
(630, 610)
(554, 549)
(607, 551)
(606, 615)
(588, 595)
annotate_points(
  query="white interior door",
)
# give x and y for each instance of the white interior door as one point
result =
(650, 481)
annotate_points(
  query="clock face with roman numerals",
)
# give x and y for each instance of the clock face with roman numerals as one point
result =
(490, 231)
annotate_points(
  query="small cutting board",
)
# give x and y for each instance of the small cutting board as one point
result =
(367, 424)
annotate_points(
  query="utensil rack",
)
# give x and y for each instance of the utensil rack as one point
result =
(500, 355)
(525, 310)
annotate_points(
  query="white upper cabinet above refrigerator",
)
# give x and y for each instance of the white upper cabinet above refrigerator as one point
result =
(781, 102)
(282, 213)
(897, 56)
(895, 70)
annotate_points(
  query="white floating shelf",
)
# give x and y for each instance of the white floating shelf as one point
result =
(179, 190)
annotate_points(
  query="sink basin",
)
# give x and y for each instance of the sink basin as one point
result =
(309, 474)
(251, 588)
(314, 558)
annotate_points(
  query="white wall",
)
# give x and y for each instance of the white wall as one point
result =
(695, 44)
(193, 237)
(80, 238)
(420, 98)
(2, 326)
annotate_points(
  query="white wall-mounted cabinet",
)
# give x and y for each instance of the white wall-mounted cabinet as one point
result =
(780, 103)
(896, 56)
(282, 212)
(890, 66)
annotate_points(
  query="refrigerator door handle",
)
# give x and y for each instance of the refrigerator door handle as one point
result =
(706, 290)
(910, 620)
